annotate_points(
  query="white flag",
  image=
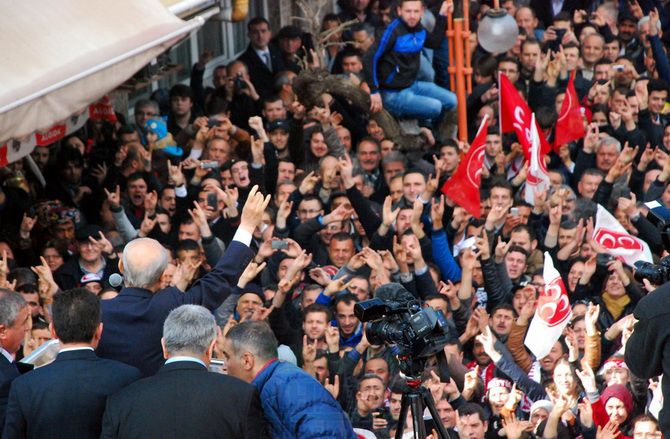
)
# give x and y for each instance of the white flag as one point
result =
(552, 313)
(538, 177)
(610, 234)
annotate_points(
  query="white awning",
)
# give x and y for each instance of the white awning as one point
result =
(58, 56)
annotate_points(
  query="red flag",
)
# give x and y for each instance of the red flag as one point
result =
(463, 186)
(570, 123)
(515, 116)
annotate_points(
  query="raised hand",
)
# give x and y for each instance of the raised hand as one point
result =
(389, 216)
(319, 276)
(333, 338)
(587, 377)
(501, 249)
(309, 183)
(47, 286)
(298, 264)
(102, 243)
(114, 198)
(346, 168)
(309, 350)
(251, 271)
(586, 413)
(609, 431)
(482, 242)
(334, 388)
(336, 286)
(437, 212)
(100, 172)
(147, 226)
(252, 213)
(185, 273)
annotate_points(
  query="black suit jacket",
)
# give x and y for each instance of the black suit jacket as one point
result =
(8, 373)
(134, 319)
(260, 74)
(65, 398)
(184, 400)
(545, 11)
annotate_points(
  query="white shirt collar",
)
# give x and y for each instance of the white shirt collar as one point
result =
(185, 358)
(7, 355)
(86, 348)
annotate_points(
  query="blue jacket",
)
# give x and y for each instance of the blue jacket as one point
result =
(297, 406)
(393, 62)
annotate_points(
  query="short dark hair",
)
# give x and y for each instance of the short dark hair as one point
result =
(524, 228)
(518, 249)
(501, 183)
(257, 20)
(657, 85)
(182, 91)
(470, 408)
(187, 245)
(76, 315)
(316, 307)
(342, 236)
(345, 298)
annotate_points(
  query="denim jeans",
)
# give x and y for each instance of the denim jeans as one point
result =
(421, 100)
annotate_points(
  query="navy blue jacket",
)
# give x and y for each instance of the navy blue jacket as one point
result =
(394, 61)
(133, 321)
(8, 373)
(183, 400)
(65, 398)
(297, 406)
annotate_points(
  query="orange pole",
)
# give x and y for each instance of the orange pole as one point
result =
(460, 81)
(450, 39)
(466, 42)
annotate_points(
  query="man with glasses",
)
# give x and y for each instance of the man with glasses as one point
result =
(145, 109)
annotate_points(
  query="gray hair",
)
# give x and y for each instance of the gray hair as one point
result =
(147, 274)
(609, 140)
(644, 20)
(189, 329)
(254, 337)
(145, 103)
(11, 303)
(394, 156)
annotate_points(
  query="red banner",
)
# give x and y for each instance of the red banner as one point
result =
(515, 117)
(570, 123)
(463, 186)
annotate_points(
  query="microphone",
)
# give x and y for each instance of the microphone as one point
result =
(115, 280)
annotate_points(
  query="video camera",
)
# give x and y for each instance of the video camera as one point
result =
(656, 274)
(394, 316)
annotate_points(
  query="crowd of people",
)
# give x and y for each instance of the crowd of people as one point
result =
(246, 225)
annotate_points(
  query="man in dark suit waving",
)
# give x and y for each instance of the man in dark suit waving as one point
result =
(67, 397)
(184, 400)
(134, 319)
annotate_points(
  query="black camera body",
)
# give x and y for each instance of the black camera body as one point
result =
(656, 274)
(418, 332)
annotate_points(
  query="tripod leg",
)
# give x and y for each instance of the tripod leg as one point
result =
(404, 406)
(417, 417)
(441, 431)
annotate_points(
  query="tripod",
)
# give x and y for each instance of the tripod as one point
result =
(415, 399)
